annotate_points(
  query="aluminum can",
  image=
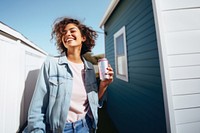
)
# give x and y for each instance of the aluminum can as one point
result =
(103, 72)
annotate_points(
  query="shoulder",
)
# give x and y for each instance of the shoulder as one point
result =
(89, 64)
(50, 63)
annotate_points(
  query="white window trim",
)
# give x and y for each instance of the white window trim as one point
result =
(117, 34)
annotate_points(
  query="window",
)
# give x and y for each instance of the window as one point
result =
(121, 54)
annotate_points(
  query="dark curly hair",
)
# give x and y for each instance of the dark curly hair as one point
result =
(58, 31)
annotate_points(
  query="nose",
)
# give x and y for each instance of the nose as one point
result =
(68, 33)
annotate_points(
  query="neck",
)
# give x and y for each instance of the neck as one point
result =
(74, 56)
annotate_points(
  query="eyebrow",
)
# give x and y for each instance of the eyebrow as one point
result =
(71, 28)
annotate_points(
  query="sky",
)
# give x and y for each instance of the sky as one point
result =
(34, 18)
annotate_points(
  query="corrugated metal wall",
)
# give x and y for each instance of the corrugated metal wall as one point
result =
(137, 105)
(18, 72)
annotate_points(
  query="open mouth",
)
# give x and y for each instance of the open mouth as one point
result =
(70, 39)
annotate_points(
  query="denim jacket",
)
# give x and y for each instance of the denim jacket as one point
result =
(51, 99)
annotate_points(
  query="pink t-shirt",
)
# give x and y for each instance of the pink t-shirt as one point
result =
(79, 103)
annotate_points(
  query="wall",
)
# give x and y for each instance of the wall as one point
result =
(136, 105)
(18, 71)
(178, 30)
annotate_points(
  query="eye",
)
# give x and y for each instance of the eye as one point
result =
(64, 32)
(73, 30)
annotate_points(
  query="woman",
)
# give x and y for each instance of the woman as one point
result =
(66, 97)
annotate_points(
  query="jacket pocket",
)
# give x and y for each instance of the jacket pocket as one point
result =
(54, 83)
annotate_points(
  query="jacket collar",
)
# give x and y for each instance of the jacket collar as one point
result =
(63, 60)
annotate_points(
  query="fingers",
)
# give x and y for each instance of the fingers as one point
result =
(110, 72)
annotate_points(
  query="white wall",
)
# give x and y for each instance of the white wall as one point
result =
(18, 71)
(178, 34)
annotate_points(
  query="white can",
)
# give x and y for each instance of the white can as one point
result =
(103, 72)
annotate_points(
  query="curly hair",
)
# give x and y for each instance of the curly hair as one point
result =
(58, 32)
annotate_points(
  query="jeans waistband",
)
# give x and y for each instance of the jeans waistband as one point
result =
(79, 123)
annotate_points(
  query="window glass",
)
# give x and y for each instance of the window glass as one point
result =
(121, 54)
(120, 45)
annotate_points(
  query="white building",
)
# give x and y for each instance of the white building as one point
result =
(20, 61)
(178, 33)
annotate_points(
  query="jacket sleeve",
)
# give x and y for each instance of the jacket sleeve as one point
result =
(39, 103)
(104, 97)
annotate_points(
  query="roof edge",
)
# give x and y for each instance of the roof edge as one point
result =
(108, 12)
(18, 36)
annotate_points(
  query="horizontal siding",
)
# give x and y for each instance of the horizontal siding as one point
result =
(140, 24)
(181, 20)
(184, 60)
(151, 63)
(137, 40)
(149, 71)
(189, 128)
(145, 55)
(186, 101)
(191, 72)
(142, 95)
(142, 43)
(180, 33)
(183, 87)
(138, 110)
(179, 4)
(183, 42)
(187, 116)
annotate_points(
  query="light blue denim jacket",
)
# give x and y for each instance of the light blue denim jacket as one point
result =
(51, 99)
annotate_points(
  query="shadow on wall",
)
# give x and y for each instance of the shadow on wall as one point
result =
(27, 96)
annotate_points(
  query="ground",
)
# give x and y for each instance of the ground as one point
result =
(105, 124)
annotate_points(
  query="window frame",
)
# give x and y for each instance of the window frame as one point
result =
(120, 32)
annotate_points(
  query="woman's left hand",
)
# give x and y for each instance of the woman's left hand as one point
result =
(106, 82)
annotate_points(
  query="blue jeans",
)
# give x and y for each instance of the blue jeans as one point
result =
(80, 126)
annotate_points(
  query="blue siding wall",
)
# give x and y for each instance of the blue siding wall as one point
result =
(136, 106)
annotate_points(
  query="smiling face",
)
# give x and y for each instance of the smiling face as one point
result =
(72, 37)
(70, 33)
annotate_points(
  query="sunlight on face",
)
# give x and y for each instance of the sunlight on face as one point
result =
(72, 37)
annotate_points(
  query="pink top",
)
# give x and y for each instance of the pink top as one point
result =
(79, 102)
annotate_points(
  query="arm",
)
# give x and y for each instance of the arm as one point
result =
(39, 103)
(104, 84)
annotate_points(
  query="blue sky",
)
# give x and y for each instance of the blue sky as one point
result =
(34, 18)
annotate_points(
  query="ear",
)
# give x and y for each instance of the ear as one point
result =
(84, 39)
